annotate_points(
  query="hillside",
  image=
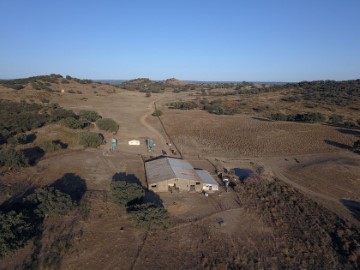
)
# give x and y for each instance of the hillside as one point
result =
(65, 195)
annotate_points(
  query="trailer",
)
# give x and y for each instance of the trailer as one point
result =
(149, 144)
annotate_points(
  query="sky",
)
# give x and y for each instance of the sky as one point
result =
(224, 40)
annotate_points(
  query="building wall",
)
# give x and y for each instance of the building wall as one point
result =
(213, 187)
(183, 185)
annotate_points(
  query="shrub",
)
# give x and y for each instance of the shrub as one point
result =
(71, 91)
(124, 193)
(292, 99)
(51, 146)
(336, 119)
(22, 138)
(262, 108)
(60, 113)
(90, 139)
(90, 116)
(157, 113)
(349, 124)
(148, 94)
(184, 105)
(14, 232)
(356, 146)
(310, 117)
(13, 159)
(107, 124)
(278, 117)
(149, 216)
(49, 201)
(73, 123)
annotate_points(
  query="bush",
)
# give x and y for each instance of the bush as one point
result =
(90, 116)
(262, 108)
(336, 119)
(157, 113)
(356, 146)
(22, 138)
(279, 117)
(13, 159)
(14, 232)
(107, 124)
(125, 193)
(292, 99)
(349, 124)
(90, 139)
(49, 201)
(73, 123)
(149, 216)
(51, 146)
(60, 113)
(184, 105)
(148, 94)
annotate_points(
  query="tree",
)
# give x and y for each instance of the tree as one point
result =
(12, 158)
(336, 119)
(14, 232)
(124, 193)
(90, 116)
(49, 201)
(278, 117)
(149, 216)
(73, 123)
(91, 139)
(107, 124)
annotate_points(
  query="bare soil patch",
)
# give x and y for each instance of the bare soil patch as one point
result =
(200, 133)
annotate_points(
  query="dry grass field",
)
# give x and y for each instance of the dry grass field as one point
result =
(295, 217)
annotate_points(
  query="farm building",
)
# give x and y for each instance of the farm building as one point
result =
(209, 183)
(134, 142)
(171, 174)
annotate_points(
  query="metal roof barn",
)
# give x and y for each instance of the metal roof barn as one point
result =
(209, 183)
(171, 174)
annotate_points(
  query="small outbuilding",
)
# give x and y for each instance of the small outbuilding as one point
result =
(209, 183)
(134, 142)
(171, 174)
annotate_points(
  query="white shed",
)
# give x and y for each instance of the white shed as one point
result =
(134, 142)
(209, 183)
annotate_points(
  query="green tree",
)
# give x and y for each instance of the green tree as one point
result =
(49, 201)
(73, 123)
(14, 232)
(279, 117)
(13, 159)
(107, 124)
(90, 139)
(124, 193)
(336, 119)
(90, 116)
(149, 216)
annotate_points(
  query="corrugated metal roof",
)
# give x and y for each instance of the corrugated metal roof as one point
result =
(167, 168)
(206, 178)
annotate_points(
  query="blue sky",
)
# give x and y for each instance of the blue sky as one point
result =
(279, 40)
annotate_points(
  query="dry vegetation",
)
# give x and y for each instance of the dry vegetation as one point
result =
(265, 224)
